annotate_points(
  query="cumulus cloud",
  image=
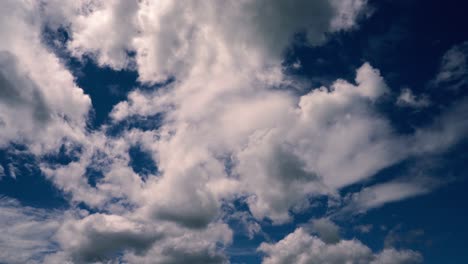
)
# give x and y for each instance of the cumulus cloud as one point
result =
(268, 133)
(302, 248)
(39, 105)
(31, 235)
(171, 38)
(203, 246)
(292, 144)
(97, 237)
(230, 129)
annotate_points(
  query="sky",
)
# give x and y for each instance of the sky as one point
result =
(252, 131)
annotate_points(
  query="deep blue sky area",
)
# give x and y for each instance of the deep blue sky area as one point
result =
(404, 39)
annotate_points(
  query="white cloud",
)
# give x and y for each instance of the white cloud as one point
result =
(172, 38)
(364, 228)
(99, 237)
(392, 256)
(453, 70)
(297, 147)
(301, 248)
(39, 105)
(447, 129)
(204, 246)
(407, 98)
(31, 235)
(380, 194)
(228, 104)
(26, 232)
(267, 133)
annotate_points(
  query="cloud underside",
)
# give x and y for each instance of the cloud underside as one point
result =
(233, 127)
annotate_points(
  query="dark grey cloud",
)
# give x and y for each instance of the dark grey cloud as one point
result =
(107, 245)
(101, 237)
(328, 231)
(196, 218)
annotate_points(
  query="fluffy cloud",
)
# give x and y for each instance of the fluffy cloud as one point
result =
(302, 248)
(231, 128)
(171, 38)
(204, 44)
(267, 133)
(32, 235)
(203, 246)
(98, 237)
(39, 105)
(296, 147)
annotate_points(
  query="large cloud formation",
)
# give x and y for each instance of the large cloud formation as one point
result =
(234, 126)
(301, 248)
(40, 104)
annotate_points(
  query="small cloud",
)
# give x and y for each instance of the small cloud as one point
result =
(297, 65)
(2, 171)
(453, 71)
(408, 99)
(397, 237)
(380, 194)
(12, 170)
(365, 229)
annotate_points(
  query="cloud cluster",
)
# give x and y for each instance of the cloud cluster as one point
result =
(233, 127)
(98, 238)
(301, 248)
(171, 38)
(39, 102)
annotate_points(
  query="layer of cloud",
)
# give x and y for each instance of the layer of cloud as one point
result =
(302, 248)
(39, 105)
(31, 235)
(26, 232)
(231, 128)
(170, 38)
(380, 194)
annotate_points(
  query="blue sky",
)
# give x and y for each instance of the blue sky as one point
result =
(233, 132)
